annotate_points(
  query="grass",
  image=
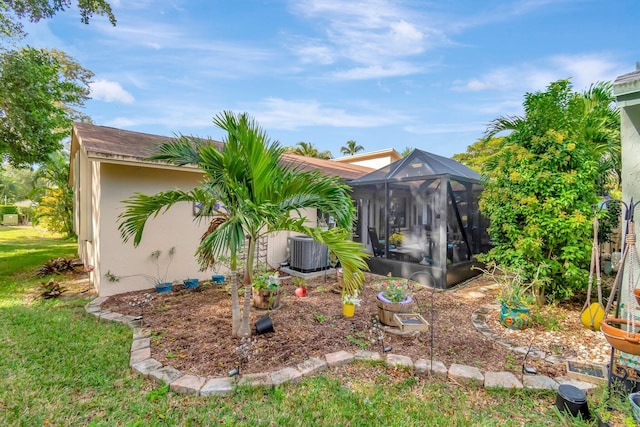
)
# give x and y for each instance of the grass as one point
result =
(60, 366)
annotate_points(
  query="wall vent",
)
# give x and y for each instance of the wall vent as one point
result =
(307, 255)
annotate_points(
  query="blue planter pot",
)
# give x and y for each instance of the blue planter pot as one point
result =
(515, 317)
(217, 278)
(164, 287)
(190, 283)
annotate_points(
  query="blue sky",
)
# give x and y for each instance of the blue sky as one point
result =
(385, 73)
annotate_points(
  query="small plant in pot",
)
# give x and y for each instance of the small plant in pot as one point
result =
(266, 291)
(349, 302)
(159, 280)
(395, 297)
(515, 297)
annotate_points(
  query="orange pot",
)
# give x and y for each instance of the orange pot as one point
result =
(629, 342)
(636, 292)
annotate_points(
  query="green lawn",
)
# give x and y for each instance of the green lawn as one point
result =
(59, 367)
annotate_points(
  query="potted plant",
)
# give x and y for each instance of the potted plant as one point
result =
(394, 297)
(396, 239)
(159, 280)
(266, 291)
(515, 297)
(190, 283)
(349, 303)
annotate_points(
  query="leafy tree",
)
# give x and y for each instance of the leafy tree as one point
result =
(479, 153)
(39, 92)
(55, 204)
(11, 12)
(15, 184)
(351, 148)
(307, 149)
(542, 186)
(247, 192)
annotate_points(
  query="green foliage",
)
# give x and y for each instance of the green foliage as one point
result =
(479, 153)
(34, 10)
(40, 91)
(55, 195)
(15, 183)
(9, 210)
(308, 149)
(541, 188)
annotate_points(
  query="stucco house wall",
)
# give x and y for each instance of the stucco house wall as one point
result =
(372, 159)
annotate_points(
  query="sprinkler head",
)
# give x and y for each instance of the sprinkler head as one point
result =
(234, 372)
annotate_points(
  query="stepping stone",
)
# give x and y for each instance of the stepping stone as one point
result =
(367, 355)
(286, 375)
(188, 384)
(143, 368)
(140, 344)
(222, 386)
(423, 367)
(338, 358)
(262, 379)
(501, 380)
(467, 375)
(166, 374)
(400, 361)
(312, 366)
(539, 382)
(139, 355)
(141, 333)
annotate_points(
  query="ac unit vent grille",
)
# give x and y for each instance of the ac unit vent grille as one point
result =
(307, 255)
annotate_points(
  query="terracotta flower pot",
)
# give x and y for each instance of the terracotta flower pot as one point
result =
(619, 338)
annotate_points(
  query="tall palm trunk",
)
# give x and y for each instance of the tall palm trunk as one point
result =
(235, 304)
(245, 330)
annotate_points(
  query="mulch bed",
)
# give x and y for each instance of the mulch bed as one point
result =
(192, 328)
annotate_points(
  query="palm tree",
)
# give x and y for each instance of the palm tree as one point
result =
(247, 192)
(351, 148)
(307, 149)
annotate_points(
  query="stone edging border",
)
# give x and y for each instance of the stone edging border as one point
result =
(143, 364)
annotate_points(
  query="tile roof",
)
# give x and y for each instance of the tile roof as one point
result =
(111, 143)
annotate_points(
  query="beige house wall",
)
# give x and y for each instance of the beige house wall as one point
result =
(174, 228)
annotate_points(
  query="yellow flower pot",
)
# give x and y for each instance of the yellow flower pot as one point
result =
(348, 310)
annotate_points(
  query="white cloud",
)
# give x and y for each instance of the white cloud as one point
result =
(370, 34)
(277, 113)
(583, 70)
(109, 91)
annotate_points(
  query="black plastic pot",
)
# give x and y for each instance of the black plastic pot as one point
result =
(264, 325)
(572, 400)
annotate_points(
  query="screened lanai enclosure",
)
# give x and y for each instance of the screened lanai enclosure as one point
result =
(421, 213)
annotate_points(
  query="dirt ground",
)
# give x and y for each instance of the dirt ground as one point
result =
(191, 329)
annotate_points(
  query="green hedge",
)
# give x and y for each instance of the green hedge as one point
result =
(9, 209)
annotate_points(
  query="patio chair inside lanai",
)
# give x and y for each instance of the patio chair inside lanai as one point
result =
(432, 203)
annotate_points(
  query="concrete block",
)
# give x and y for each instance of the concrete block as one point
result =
(501, 380)
(367, 355)
(139, 355)
(312, 366)
(166, 374)
(222, 386)
(423, 367)
(539, 382)
(399, 361)
(338, 358)
(138, 344)
(467, 375)
(262, 379)
(582, 385)
(143, 368)
(286, 375)
(188, 384)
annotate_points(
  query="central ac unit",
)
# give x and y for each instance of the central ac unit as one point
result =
(307, 255)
